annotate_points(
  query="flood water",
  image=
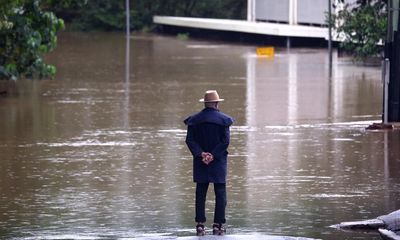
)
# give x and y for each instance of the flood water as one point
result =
(99, 152)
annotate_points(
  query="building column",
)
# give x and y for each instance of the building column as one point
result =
(292, 12)
(251, 10)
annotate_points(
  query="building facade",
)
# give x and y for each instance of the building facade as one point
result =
(293, 12)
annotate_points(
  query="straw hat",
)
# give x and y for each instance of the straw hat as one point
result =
(211, 96)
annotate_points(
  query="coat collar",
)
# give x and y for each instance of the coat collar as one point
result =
(209, 115)
(210, 109)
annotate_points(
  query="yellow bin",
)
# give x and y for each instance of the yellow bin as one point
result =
(265, 51)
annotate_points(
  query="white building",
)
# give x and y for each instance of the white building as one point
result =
(293, 12)
(286, 18)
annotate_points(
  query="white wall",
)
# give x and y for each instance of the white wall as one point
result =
(307, 12)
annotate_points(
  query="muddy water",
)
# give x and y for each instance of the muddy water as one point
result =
(98, 152)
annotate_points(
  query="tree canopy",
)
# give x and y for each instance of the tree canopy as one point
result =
(110, 15)
(26, 34)
(28, 28)
(362, 26)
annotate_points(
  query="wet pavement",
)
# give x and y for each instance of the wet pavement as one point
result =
(99, 152)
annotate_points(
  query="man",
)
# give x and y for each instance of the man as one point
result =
(208, 139)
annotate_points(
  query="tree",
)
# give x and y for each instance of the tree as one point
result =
(26, 34)
(110, 15)
(28, 28)
(362, 26)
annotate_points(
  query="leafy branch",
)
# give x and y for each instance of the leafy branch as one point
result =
(26, 34)
(362, 27)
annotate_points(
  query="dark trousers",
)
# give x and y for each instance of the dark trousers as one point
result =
(220, 202)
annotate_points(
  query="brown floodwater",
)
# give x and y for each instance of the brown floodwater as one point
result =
(99, 152)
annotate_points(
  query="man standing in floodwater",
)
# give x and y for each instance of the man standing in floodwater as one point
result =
(208, 140)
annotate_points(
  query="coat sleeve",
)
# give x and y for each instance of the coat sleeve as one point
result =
(221, 149)
(193, 146)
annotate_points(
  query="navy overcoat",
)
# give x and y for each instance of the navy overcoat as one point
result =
(208, 131)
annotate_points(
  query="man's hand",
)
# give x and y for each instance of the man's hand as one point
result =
(207, 157)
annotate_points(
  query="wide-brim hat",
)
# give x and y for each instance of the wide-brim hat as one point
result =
(211, 96)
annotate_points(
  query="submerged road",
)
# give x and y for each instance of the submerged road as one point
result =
(96, 153)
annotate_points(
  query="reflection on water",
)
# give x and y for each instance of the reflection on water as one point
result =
(99, 151)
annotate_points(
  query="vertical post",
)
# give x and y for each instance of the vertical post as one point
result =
(127, 53)
(127, 66)
(386, 79)
(128, 38)
(330, 36)
(128, 22)
(128, 45)
(388, 56)
(251, 10)
(389, 33)
(293, 12)
(395, 15)
(392, 53)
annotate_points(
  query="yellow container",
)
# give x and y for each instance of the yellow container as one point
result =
(265, 51)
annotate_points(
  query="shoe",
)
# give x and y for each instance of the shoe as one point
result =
(218, 229)
(200, 230)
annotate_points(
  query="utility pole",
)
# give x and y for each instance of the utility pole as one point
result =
(391, 74)
(128, 17)
(126, 102)
(330, 36)
(128, 40)
(128, 44)
(127, 54)
(392, 58)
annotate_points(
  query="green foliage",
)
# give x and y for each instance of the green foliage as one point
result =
(234, 9)
(362, 27)
(182, 36)
(65, 9)
(26, 34)
(28, 28)
(101, 15)
(110, 15)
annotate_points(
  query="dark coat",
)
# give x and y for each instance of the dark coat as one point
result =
(208, 131)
